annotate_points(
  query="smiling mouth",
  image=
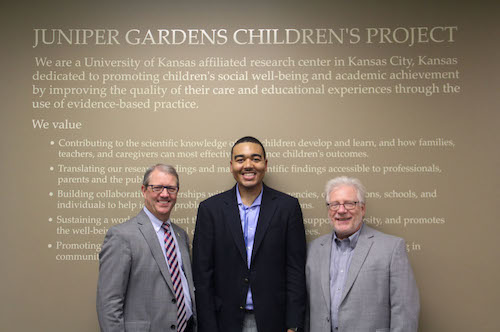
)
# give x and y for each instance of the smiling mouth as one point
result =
(343, 219)
(249, 176)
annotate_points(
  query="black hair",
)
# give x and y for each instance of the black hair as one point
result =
(248, 139)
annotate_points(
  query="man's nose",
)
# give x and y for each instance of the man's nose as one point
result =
(164, 193)
(247, 163)
(342, 209)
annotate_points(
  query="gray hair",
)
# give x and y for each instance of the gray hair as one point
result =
(162, 168)
(346, 181)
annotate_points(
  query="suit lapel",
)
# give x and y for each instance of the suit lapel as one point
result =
(233, 221)
(324, 261)
(149, 234)
(267, 209)
(186, 259)
(182, 248)
(363, 246)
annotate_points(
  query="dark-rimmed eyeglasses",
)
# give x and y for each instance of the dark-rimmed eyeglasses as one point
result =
(159, 189)
(334, 206)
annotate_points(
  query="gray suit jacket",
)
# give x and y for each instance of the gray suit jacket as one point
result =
(134, 291)
(380, 293)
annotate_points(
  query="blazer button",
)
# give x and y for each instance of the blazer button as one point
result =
(174, 300)
(172, 327)
(246, 280)
(242, 308)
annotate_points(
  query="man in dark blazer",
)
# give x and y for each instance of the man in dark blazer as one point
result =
(135, 290)
(358, 279)
(249, 252)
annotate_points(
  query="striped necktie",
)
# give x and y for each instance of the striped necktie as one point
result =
(173, 266)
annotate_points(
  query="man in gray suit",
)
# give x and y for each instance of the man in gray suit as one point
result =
(358, 279)
(145, 280)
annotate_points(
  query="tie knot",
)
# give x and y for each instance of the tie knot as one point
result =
(165, 226)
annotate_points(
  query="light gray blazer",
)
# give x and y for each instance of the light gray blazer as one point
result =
(134, 291)
(380, 293)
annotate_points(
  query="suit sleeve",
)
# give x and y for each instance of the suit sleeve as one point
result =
(114, 269)
(404, 297)
(295, 266)
(203, 270)
(307, 318)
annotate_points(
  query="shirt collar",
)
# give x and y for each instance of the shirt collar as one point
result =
(353, 239)
(255, 203)
(155, 221)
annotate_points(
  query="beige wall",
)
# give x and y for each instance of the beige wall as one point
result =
(429, 161)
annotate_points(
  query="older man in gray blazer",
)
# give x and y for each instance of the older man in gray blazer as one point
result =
(145, 280)
(358, 279)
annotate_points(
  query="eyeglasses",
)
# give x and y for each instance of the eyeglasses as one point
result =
(159, 189)
(336, 205)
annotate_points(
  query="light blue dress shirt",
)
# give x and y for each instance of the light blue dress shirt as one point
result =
(341, 256)
(249, 216)
(160, 233)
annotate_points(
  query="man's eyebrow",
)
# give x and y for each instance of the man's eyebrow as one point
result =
(243, 156)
